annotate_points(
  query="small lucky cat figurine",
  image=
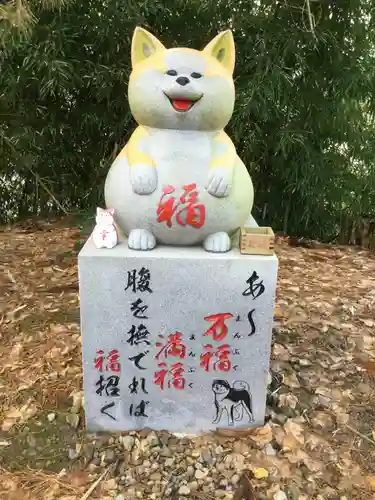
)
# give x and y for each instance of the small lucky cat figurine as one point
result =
(105, 234)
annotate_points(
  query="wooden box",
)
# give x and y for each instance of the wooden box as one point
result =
(257, 241)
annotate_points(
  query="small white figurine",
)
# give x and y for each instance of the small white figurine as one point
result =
(105, 234)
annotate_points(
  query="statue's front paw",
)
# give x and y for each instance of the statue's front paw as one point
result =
(143, 178)
(141, 239)
(217, 243)
(219, 181)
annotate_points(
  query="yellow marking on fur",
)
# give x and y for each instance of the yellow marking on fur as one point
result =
(132, 151)
(228, 158)
(156, 61)
(144, 45)
(222, 49)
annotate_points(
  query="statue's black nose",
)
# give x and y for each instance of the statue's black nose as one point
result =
(182, 80)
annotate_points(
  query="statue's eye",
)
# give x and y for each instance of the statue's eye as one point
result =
(196, 75)
(171, 72)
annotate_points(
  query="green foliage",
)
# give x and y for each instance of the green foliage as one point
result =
(303, 122)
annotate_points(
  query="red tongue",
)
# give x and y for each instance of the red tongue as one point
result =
(181, 104)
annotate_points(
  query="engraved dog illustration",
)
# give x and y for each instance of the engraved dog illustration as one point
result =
(234, 400)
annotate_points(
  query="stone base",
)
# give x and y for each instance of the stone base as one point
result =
(160, 327)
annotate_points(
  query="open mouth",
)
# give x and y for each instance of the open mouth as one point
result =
(182, 104)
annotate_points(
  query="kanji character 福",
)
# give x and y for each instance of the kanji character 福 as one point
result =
(223, 363)
(191, 214)
(113, 361)
(176, 371)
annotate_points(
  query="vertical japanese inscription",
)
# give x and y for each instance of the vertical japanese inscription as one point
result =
(216, 357)
(170, 375)
(138, 337)
(109, 368)
(254, 289)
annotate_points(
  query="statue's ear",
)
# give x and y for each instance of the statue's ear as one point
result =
(222, 48)
(144, 45)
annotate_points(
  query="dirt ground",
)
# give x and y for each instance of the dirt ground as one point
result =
(319, 438)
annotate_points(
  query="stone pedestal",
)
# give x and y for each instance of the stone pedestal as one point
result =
(176, 338)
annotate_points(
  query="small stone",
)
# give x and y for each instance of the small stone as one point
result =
(193, 486)
(324, 402)
(280, 418)
(120, 497)
(241, 447)
(51, 417)
(111, 441)
(169, 462)
(73, 420)
(293, 493)
(31, 441)
(92, 467)
(235, 479)
(147, 464)
(96, 461)
(220, 493)
(206, 456)
(280, 495)
(220, 467)
(156, 476)
(111, 484)
(152, 439)
(127, 442)
(190, 471)
(62, 473)
(168, 491)
(200, 474)
(77, 402)
(109, 456)
(184, 490)
(88, 450)
(269, 450)
(164, 438)
(304, 362)
(72, 454)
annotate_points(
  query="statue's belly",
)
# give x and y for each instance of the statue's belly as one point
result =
(180, 211)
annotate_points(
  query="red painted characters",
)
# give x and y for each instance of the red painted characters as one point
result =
(113, 361)
(170, 375)
(186, 209)
(217, 358)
